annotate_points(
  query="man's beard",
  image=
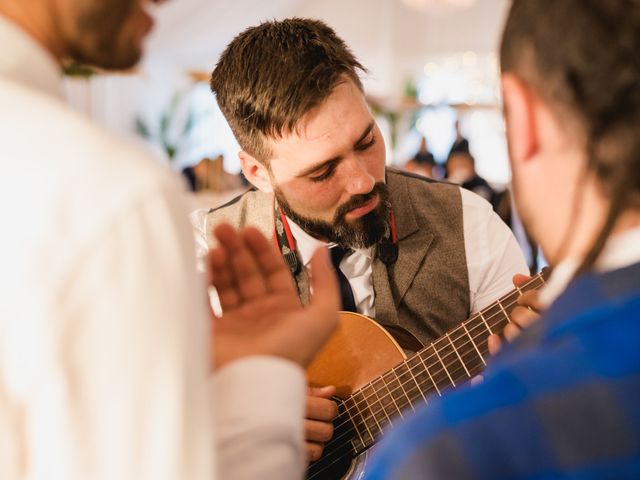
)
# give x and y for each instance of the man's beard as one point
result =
(361, 232)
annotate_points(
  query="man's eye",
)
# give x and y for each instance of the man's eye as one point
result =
(369, 142)
(328, 173)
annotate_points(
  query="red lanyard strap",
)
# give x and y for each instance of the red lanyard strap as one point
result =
(285, 242)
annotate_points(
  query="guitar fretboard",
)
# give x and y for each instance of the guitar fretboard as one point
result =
(451, 360)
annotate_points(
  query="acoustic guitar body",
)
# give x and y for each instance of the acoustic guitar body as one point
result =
(359, 351)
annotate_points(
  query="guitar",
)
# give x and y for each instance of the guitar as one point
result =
(377, 384)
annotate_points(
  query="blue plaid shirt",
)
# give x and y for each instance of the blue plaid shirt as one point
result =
(562, 402)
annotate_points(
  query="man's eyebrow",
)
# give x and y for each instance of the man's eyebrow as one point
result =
(321, 165)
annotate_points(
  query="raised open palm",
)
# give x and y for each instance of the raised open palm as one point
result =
(262, 314)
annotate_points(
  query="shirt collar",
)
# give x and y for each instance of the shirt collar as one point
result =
(621, 250)
(26, 62)
(307, 245)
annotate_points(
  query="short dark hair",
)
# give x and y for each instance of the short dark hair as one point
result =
(581, 57)
(271, 75)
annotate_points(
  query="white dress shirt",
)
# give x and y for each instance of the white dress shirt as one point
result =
(492, 253)
(103, 324)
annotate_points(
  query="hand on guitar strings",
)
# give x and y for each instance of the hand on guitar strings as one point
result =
(261, 312)
(320, 412)
(523, 315)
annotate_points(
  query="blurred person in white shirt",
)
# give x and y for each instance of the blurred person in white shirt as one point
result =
(105, 360)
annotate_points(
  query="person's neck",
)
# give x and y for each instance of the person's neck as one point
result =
(35, 20)
(586, 235)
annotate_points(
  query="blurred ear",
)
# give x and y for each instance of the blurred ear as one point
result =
(255, 172)
(519, 106)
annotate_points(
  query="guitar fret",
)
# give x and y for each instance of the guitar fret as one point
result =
(443, 365)
(485, 323)
(363, 423)
(415, 380)
(474, 344)
(381, 404)
(504, 311)
(468, 353)
(386, 402)
(458, 354)
(435, 385)
(369, 409)
(420, 375)
(401, 384)
(370, 422)
(354, 423)
(391, 395)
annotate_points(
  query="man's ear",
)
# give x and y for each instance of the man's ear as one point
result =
(255, 172)
(519, 106)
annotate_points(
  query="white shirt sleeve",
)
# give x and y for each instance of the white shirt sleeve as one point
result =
(493, 254)
(259, 419)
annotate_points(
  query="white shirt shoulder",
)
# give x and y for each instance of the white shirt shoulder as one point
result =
(492, 252)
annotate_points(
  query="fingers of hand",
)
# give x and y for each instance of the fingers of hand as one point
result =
(318, 427)
(519, 279)
(315, 431)
(494, 344)
(241, 263)
(314, 451)
(521, 318)
(531, 300)
(323, 282)
(276, 273)
(221, 277)
(321, 409)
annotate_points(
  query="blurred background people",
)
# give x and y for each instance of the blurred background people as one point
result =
(460, 144)
(461, 169)
(422, 162)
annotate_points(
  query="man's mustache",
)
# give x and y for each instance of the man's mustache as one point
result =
(358, 200)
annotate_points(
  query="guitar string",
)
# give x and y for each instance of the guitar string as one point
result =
(337, 450)
(414, 384)
(336, 454)
(443, 340)
(412, 380)
(436, 373)
(412, 392)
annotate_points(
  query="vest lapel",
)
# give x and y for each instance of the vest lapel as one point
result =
(413, 244)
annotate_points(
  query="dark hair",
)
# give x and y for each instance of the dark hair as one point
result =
(271, 75)
(582, 57)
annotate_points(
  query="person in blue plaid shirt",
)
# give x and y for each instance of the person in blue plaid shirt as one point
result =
(561, 401)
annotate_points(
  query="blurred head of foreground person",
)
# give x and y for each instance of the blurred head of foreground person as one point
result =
(105, 366)
(106, 34)
(557, 402)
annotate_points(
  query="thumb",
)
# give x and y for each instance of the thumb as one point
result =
(322, 392)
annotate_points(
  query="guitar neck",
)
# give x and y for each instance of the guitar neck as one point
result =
(449, 361)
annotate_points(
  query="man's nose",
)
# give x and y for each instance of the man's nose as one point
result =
(359, 179)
